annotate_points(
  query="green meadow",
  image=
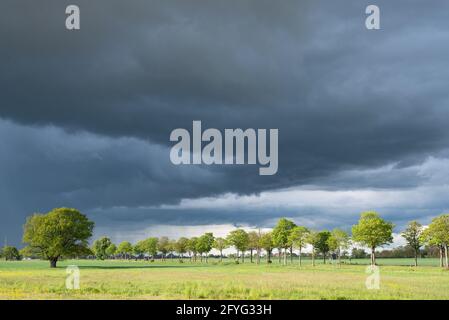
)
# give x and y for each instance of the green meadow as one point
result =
(173, 280)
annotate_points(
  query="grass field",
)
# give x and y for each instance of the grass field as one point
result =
(174, 280)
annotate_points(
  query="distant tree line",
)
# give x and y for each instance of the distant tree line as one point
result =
(64, 233)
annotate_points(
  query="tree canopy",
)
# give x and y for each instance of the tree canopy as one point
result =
(372, 231)
(62, 232)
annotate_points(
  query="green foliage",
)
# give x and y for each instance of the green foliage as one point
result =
(282, 232)
(372, 231)
(253, 240)
(151, 245)
(298, 237)
(10, 253)
(239, 239)
(125, 248)
(220, 244)
(61, 232)
(139, 248)
(412, 234)
(163, 245)
(100, 246)
(191, 245)
(338, 241)
(438, 231)
(111, 250)
(358, 253)
(266, 241)
(205, 243)
(321, 244)
(181, 245)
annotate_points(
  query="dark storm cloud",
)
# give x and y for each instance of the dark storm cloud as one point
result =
(342, 97)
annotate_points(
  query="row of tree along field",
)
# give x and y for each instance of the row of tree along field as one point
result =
(65, 233)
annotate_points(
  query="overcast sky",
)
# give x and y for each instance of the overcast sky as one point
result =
(85, 116)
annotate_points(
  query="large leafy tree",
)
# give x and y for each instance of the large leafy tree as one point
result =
(181, 247)
(163, 246)
(322, 244)
(266, 242)
(281, 235)
(125, 248)
(61, 232)
(139, 248)
(10, 253)
(239, 239)
(372, 231)
(338, 241)
(298, 238)
(204, 244)
(220, 244)
(151, 245)
(412, 234)
(191, 248)
(253, 244)
(100, 246)
(437, 234)
(111, 250)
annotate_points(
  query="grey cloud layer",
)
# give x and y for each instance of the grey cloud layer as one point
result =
(342, 97)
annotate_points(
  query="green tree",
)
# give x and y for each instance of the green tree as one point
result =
(412, 234)
(220, 244)
(151, 245)
(181, 247)
(171, 248)
(239, 239)
(61, 232)
(338, 241)
(10, 253)
(140, 248)
(266, 242)
(372, 231)
(313, 238)
(111, 250)
(204, 244)
(191, 248)
(125, 249)
(437, 234)
(281, 235)
(163, 246)
(99, 247)
(322, 245)
(298, 238)
(253, 243)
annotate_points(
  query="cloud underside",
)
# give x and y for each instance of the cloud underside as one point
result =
(86, 116)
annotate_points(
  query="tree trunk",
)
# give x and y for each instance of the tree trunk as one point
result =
(324, 258)
(299, 256)
(313, 257)
(373, 256)
(416, 258)
(285, 256)
(221, 255)
(291, 254)
(280, 255)
(251, 253)
(243, 256)
(447, 259)
(441, 257)
(53, 262)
